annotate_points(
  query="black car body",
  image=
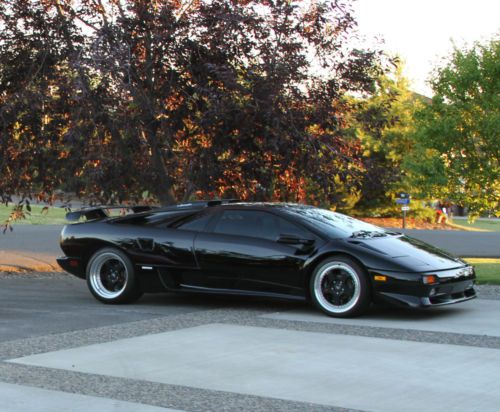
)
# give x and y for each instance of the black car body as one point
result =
(264, 249)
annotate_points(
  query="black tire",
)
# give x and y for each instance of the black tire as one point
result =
(339, 287)
(111, 277)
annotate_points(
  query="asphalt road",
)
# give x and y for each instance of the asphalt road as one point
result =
(42, 242)
(461, 243)
(32, 247)
(43, 239)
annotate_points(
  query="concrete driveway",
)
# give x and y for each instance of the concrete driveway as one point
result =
(62, 350)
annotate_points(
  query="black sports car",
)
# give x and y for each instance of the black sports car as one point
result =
(263, 249)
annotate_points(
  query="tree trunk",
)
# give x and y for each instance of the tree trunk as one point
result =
(162, 184)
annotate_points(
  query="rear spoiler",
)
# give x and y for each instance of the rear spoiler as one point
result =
(102, 212)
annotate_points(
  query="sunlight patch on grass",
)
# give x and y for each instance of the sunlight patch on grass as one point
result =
(492, 225)
(487, 270)
(482, 260)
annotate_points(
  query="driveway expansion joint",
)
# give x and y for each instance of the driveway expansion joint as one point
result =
(150, 393)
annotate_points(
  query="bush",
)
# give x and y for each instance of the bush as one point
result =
(418, 210)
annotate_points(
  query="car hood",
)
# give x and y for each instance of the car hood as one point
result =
(411, 253)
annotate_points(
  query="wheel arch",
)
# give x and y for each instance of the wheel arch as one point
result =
(93, 246)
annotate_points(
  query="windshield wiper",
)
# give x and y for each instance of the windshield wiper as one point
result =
(391, 233)
(368, 233)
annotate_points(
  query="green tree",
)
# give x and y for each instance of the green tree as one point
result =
(456, 154)
(384, 122)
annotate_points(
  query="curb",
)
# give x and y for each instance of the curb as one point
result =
(467, 229)
(11, 268)
(17, 262)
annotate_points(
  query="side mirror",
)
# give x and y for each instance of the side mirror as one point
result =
(304, 244)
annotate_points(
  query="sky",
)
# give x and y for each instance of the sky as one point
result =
(421, 31)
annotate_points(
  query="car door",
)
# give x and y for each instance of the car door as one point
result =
(243, 252)
(155, 244)
(187, 229)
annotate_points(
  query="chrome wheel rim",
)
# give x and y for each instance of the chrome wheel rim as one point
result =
(337, 287)
(108, 275)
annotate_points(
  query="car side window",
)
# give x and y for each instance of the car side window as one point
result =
(289, 228)
(256, 224)
(196, 223)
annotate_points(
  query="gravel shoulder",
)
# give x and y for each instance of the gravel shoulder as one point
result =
(488, 291)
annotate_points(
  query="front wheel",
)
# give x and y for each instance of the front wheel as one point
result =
(111, 277)
(339, 287)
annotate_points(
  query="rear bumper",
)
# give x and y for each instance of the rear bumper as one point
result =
(409, 290)
(72, 265)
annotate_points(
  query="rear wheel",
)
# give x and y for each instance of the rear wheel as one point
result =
(111, 277)
(339, 287)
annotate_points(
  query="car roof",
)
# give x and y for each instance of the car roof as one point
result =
(184, 209)
(238, 205)
(198, 205)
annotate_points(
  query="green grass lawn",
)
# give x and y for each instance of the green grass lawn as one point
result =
(487, 270)
(54, 216)
(489, 225)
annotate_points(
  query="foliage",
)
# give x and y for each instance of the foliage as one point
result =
(115, 98)
(456, 155)
(418, 210)
(18, 212)
(384, 123)
(39, 215)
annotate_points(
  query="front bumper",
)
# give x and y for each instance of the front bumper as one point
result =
(408, 290)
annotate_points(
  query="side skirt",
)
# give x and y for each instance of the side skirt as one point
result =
(154, 279)
(235, 292)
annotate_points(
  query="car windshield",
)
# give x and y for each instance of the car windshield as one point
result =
(336, 224)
